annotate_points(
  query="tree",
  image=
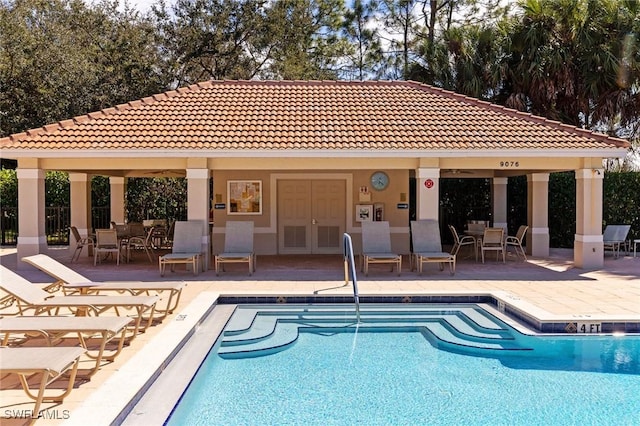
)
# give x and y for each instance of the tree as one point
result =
(305, 39)
(400, 20)
(212, 39)
(60, 59)
(359, 29)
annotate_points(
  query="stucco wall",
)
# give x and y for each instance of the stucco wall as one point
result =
(266, 242)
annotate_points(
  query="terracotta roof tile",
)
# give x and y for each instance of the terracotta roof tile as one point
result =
(278, 115)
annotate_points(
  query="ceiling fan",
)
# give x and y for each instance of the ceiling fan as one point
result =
(165, 173)
(457, 172)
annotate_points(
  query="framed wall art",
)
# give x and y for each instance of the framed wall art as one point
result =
(244, 196)
(364, 212)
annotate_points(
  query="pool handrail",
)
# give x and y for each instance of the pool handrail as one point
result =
(349, 264)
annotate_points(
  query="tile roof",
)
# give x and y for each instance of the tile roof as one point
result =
(309, 115)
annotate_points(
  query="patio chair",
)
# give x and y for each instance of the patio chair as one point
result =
(376, 246)
(238, 246)
(160, 236)
(18, 330)
(427, 245)
(462, 240)
(31, 297)
(516, 241)
(493, 240)
(71, 281)
(186, 248)
(614, 237)
(136, 229)
(49, 363)
(106, 243)
(81, 242)
(143, 242)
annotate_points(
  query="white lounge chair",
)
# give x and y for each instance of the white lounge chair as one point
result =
(427, 245)
(18, 330)
(73, 282)
(614, 237)
(238, 246)
(187, 247)
(376, 246)
(31, 297)
(50, 363)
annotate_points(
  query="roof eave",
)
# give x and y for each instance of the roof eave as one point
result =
(610, 152)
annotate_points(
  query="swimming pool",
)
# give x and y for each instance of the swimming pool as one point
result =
(408, 364)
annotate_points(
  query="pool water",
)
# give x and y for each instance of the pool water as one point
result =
(386, 376)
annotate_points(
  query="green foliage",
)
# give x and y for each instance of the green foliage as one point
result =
(462, 200)
(366, 53)
(562, 209)
(56, 189)
(516, 203)
(56, 186)
(62, 58)
(8, 188)
(305, 40)
(100, 191)
(621, 193)
(156, 198)
(212, 39)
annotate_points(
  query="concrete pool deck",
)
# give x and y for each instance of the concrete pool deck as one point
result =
(549, 289)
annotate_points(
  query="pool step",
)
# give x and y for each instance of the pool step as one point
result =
(256, 332)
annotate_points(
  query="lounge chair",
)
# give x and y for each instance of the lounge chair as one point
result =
(31, 297)
(71, 281)
(54, 328)
(376, 246)
(614, 237)
(50, 363)
(238, 246)
(462, 240)
(81, 242)
(427, 245)
(516, 241)
(187, 247)
(493, 240)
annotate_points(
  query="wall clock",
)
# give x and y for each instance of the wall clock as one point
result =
(379, 181)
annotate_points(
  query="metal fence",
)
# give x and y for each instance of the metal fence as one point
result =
(58, 222)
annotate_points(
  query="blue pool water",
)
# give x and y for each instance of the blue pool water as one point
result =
(397, 372)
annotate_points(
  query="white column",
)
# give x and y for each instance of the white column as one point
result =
(198, 205)
(538, 214)
(428, 193)
(500, 202)
(117, 198)
(588, 249)
(80, 202)
(32, 238)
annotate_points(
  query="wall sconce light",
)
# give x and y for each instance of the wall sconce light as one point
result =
(597, 171)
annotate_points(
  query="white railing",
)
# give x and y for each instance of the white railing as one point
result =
(349, 266)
